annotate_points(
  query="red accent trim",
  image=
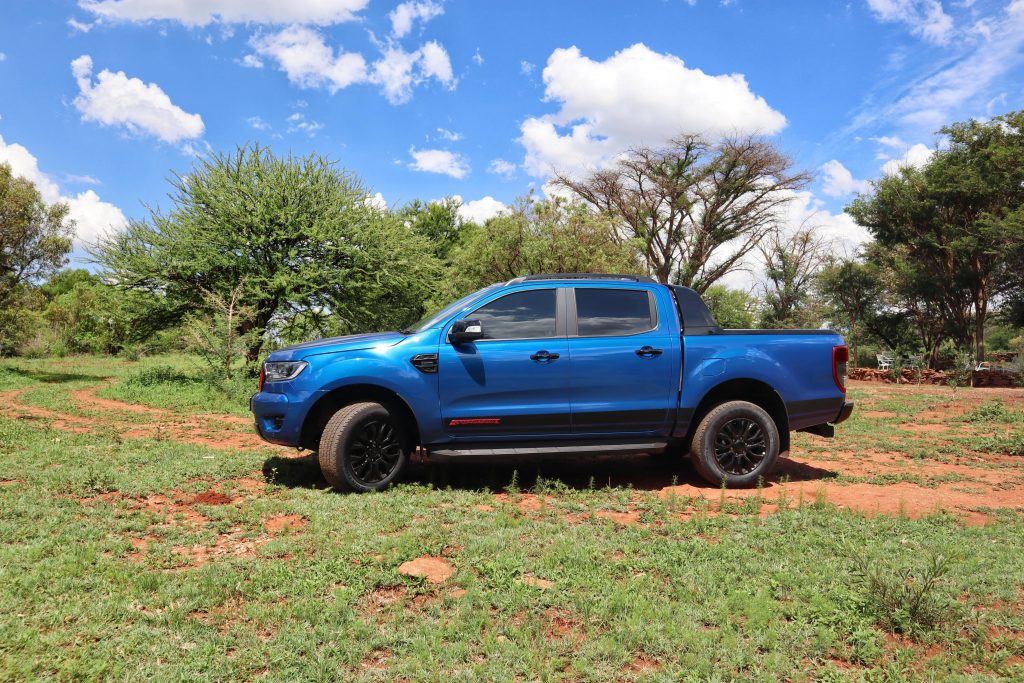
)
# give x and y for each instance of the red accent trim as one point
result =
(840, 356)
(474, 421)
(262, 377)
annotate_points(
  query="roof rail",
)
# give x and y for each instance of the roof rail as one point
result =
(581, 276)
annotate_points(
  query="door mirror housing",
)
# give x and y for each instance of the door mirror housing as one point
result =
(466, 330)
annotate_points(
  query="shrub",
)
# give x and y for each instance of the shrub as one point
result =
(993, 411)
(905, 599)
(158, 374)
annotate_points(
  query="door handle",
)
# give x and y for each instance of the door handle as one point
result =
(648, 352)
(544, 356)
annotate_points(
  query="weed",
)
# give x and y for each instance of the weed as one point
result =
(993, 411)
(906, 599)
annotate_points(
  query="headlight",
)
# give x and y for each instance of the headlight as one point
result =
(282, 371)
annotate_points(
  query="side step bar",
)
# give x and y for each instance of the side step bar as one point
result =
(552, 448)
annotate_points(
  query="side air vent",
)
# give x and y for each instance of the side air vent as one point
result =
(425, 362)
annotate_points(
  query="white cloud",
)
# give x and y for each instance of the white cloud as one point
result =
(92, 216)
(925, 18)
(79, 26)
(839, 182)
(204, 12)
(376, 201)
(309, 62)
(258, 123)
(506, 169)
(3, 57)
(436, 64)
(116, 100)
(80, 179)
(448, 135)
(479, 210)
(298, 123)
(407, 13)
(917, 156)
(961, 87)
(636, 96)
(439, 161)
(526, 68)
(890, 141)
(398, 71)
(478, 58)
(251, 62)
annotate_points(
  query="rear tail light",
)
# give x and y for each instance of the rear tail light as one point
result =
(263, 377)
(840, 359)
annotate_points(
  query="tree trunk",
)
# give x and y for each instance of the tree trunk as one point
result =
(979, 333)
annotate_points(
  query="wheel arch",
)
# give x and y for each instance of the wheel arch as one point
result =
(332, 401)
(744, 389)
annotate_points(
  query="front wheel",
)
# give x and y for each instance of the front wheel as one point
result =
(362, 449)
(736, 443)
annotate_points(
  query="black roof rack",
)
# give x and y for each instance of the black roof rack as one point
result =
(581, 276)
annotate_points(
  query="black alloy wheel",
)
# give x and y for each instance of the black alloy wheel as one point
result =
(375, 452)
(740, 446)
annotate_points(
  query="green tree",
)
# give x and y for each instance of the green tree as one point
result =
(35, 237)
(962, 219)
(438, 222)
(297, 231)
(546, 236)
(732, 308)
(696, 207)
(791, 267)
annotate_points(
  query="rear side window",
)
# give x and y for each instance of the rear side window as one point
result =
(523, 315)
(613, 312)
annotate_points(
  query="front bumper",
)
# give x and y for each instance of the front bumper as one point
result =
(272, 418)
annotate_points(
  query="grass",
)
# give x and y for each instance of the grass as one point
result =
(112, 567)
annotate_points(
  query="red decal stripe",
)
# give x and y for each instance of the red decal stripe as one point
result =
(474, 421)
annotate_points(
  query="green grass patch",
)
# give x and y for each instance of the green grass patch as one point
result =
(99, 580)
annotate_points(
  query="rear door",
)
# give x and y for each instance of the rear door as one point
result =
(515, 381)
(625, 361)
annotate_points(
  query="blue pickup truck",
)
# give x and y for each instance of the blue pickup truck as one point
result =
(555, 365)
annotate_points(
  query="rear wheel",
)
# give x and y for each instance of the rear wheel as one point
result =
(362, 448)
(736, 443)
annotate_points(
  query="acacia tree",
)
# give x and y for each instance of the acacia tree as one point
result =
(298, 232)
(697, 207)
(548, 236)
(791, 265)
(35, 237)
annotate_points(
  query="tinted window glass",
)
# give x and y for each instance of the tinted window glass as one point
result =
(612, 312)
(523, 315)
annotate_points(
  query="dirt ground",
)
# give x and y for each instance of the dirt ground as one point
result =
(922, 470)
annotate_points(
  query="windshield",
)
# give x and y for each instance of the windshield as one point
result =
(431, 319)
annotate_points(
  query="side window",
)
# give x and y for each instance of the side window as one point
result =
(613, 312)
(523, 315)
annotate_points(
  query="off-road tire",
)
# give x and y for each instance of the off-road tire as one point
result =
(725, 420)
(342, 432)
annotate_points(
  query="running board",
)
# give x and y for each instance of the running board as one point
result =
(551, 448)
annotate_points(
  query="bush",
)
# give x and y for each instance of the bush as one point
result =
(158, 374)
(904, 599)
(993, 411)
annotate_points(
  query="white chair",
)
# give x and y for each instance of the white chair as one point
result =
(884, 362)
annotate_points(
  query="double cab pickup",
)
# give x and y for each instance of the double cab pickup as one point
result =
(555, 365)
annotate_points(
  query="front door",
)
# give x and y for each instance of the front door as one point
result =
(625, 361)
(514, 381)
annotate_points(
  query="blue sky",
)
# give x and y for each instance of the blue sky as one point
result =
(103, 99)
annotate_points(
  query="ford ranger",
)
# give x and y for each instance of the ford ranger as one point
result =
(555, 365)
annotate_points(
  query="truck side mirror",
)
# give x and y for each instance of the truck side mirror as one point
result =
(466, 330)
